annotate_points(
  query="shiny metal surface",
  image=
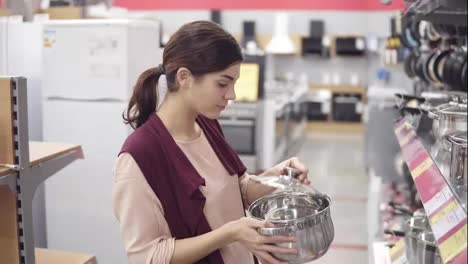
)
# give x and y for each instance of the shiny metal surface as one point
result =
(458, 165)
(413, 227)
(305, 216)
(448, 118)
(441, 153)
(427, 251)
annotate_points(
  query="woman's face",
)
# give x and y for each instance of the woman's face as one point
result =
(210, 94)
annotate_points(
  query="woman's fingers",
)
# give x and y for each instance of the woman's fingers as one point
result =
(277, 249)
(295, 163)
(304, 172)
(277, 239)
(266, 258)
(257, 223)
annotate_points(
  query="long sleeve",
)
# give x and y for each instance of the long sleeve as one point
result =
(145, 232)
(244, 182)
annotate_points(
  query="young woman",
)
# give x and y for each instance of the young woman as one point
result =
(179, 188)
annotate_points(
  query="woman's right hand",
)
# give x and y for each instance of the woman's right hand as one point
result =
(244, 231)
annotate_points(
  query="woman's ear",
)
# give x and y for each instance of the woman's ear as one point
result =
(184, 78)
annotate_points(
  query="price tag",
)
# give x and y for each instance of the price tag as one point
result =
(447, 219)
(407, 138)
(438, 200)
(425, 165)
(454, 245)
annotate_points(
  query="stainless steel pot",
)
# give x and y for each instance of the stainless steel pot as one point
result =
(458, 165)
(448, 118)
(427, 251)
(305, 216)
(413, 227)
(441, 153)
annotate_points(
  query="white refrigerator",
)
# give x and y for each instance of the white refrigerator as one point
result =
(90, 67)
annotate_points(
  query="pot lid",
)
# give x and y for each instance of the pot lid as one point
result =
(458, 110)
(459, 138)
(286, 182)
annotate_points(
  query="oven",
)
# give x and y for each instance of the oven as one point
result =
(240, 134)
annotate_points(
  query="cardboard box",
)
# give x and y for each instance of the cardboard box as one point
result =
(67, 12)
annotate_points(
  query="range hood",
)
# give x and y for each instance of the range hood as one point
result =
(281, 43)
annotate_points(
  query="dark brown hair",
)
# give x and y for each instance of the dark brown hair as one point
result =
(202, 47)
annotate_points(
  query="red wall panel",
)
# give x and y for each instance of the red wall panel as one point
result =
(351, 5)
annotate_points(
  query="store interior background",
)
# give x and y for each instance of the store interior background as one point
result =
(338, 159)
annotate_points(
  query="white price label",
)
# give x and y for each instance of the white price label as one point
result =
(449, 217)
(438, 200)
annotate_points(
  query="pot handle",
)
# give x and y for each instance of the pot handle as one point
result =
(433, 113)
(394, 232)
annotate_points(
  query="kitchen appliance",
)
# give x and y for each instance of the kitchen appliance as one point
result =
(281, 42)
(90, 67)
(249, 33)
(238, 122)
(314, 43)
(350, 46)
(347, 107)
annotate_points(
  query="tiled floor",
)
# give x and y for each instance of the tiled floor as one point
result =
(337, 168)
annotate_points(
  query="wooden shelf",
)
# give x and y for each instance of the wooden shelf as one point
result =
(66, 12)
(264, 39)
(4, 12)
(43, 151)
(38, 161)
(332, 126)
(47, 256)
(339, 88)
(40, 152)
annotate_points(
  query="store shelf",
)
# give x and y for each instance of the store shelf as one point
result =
(41, 152)
(444, 12)
(339, 88)
(47, 256)
(331, 126)
(447, 217)
(264, 39)
(25, 165)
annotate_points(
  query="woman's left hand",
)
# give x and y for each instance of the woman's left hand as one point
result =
(295, 163)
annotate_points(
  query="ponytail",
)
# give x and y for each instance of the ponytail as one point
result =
(144, 99)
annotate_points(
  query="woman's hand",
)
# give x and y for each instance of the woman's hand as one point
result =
(244, 231)
(294, 162)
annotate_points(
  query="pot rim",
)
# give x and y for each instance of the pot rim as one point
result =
(458, 138)
(292, 221)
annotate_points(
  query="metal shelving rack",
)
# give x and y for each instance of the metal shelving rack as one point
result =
(446, 214)
(444, 12)
(25, 175)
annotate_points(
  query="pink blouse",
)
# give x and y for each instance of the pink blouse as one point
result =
(144, 229)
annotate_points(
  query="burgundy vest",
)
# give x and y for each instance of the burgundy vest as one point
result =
(174, 179)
